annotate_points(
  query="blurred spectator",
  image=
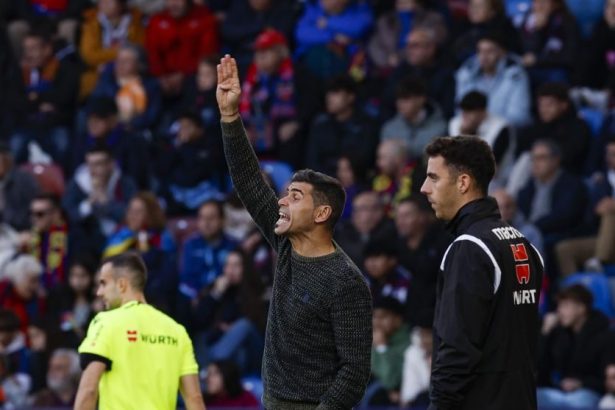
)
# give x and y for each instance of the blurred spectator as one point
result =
(20, 289)
(13, 343)
(10, 79)
(246, 19)
(485, 16)
(386, 277)
(474, 119)
(342, 130)
(70, 304)
(238, 223)
(397, 176)
(417, 365)
(418, 120)
(104, 127)
(231, 316)
(351, 174)
(500, 76)
(190, 168)
(550, 39)
(553, 200)
(64, 14)
(600, 64)
(422, 244)
(62, 381)
(572, 351)
(423, 57)
(599, 248)
(204, 254)
(223, 387)
(558, 121)
(330, 34)
(268, 100)
(48, 240)
(144, 230)
(391, 339)
(148, 7)
(389, 38)
(45, 109)
(17, 188)
(586, 13)
(608, 400)
(176, 39)
(96, 198)
(39, 343)
(511, 215)
(104, 29)
(368, 221)
(199, 95)
(126, 81)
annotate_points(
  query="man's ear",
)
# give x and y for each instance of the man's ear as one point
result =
(322, 213)
(464, 182)
(122, 284)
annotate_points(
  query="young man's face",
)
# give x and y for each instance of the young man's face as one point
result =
(296, 210)
(379, 266)
(489, 54)
(570, 311)
(408, 218)
(386, 321)
(210, 222)
(440, 186)
(337, 101)
(471, 121)
(268, 60)
(108, 289)
(42, 213)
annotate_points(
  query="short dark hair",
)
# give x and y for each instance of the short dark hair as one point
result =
(133, 264)
(9, 321)
(577, 293)
(380, 247)
(52, 198)
(326, 191)
(390, 304)
(559, 91)
(553, 147)
(496, 37)
(191, 116)
(419, 200)
(342, 83)
(411, 86)
(231, 377)
(102, 107)
(466, 154)
(100, 148)
(473, 101)
(219, 205)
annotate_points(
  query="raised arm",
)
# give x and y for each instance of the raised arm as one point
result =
(258, 198)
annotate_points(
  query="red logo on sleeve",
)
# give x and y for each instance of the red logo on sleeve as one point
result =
(523, 273)
(522, 270)
(519, 252)
(131, 335)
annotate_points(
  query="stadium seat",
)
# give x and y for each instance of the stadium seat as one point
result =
(50, 177)
(598, 284)
(279, 171)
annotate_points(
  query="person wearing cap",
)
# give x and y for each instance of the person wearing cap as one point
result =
(268, 105)
(500, 76)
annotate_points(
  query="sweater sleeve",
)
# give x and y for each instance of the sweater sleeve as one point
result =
(258, 197)
(352, 324)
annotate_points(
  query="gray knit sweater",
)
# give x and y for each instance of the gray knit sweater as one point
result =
(319, 328)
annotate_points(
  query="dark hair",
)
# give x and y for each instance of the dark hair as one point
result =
(390, 304)
(577, 293)
(251, 291)
(191, 116)
(473, 101)
(559, 91)
(342, 83)
(102, 107)
(326, 190)
(100, 147)
(52, 198)
(411, 87)
(419, 200)
(380, 247)
(553, 146)
(132, 263)
(155, 214)
(466, 154)
(231, 377)
(9, 321)
(219, 205)
(496, 37)
(44, 31)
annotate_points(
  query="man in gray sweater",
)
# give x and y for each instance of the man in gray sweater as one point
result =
(319, 329)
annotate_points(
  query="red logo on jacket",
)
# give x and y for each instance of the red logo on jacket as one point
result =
(131, 335)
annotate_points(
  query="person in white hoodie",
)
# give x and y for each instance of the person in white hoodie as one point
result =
(417, 364)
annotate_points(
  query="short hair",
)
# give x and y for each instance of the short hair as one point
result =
(380, 247)
(577, 293)
(219, 205)
(132, 263)
(468, 154)
(552, 146)
(411, 86)
(21, 264)
(473, 101)
(52, 198)
(43, 31)
(419, 200)
(559, 91)
(139, 53)
(9, 321)
(342, 83)
(390, 304)
(100, 148)
(326, 190)
(496, 37)
(191, 116)
(73, 357)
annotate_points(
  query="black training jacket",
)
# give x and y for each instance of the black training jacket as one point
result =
(486, 318)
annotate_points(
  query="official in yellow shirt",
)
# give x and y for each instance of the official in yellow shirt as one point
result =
(134, 356)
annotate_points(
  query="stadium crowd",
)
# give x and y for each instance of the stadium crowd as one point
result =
(110, 141)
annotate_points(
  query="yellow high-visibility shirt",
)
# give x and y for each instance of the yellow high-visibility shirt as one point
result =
(146, 354)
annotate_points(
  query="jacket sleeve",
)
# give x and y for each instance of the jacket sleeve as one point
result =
(461, 323)
(156, 65)
(569, 199)
(91, 48)
(354, 23)
(519, 99)
(258, 197)
(308, 33)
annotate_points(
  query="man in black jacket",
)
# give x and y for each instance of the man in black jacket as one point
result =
(486, 317)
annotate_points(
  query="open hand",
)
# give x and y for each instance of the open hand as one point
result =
(228, 90)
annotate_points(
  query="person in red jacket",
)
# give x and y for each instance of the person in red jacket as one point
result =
(176, 39)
